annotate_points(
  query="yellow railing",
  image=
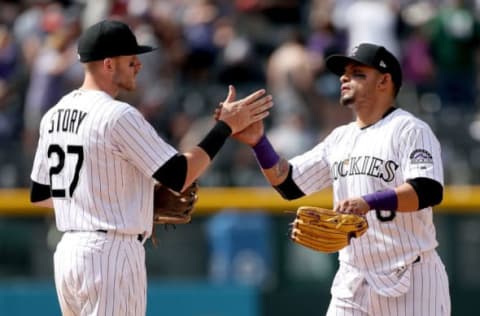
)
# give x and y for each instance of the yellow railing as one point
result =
(456, 199)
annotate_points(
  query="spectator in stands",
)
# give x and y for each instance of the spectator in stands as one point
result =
(361, 17)
(454, 34)
(52, 71)
(13, 81)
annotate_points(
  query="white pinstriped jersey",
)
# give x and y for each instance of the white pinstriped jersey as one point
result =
(98, 155)
(360, 161)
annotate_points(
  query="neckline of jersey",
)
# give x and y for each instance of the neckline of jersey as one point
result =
(83, 90)
(390, 110)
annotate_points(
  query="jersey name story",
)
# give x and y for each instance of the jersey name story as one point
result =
(66, 120)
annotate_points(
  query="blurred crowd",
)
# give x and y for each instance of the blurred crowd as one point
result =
(205, 45)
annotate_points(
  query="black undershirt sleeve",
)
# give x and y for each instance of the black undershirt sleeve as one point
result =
(173, 173)
(288, 189)
(39, 192)
(429, 191)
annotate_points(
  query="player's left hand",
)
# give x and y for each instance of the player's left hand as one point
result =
(250, 135)
(356, 205)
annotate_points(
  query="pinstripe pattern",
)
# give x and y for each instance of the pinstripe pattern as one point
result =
(121, 150)
(427, 296)
(360, 161)
(99, 154)
(104, 276)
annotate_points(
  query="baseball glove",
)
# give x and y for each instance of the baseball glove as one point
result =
(170, 207)
(325, 230)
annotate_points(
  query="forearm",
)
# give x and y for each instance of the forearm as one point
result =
(278, 173)
(407, 198)
(180, 171)
(45, 203)
(197, 163)
(276, 170)
(410, 196)
(200, 157)
(400, 199)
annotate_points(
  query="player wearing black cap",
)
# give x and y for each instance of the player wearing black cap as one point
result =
(96, 164)
(109, 39)
(369, 55)
(385, 165)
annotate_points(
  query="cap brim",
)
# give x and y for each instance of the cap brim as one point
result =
(337, 63)
(141, 49)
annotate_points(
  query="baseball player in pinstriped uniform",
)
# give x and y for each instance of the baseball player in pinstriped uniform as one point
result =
(96, 164)
(386, 165)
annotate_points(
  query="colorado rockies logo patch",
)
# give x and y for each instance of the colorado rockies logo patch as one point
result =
(421, 156)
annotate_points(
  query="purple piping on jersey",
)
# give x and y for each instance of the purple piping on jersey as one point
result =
(265, 154)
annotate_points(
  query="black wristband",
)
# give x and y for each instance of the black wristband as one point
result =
(215, 139)
(288, 189)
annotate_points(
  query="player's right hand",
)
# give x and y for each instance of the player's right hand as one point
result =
(242, 113)
(355, 205)
(250, 135)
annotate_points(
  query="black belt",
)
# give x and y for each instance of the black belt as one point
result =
(139, 236)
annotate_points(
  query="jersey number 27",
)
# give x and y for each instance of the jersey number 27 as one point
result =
(56, 170)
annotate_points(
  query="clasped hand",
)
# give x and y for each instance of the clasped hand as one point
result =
(245, 115)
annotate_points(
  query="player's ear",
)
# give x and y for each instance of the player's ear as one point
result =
(384, 80)
(108, 64)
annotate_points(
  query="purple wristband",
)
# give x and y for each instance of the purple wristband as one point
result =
(265, 154)
(382, 200)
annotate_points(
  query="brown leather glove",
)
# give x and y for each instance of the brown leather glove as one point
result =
(170, 207)
(325, 230)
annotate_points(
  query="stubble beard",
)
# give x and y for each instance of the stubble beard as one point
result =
(347, 100)
(124, 83)
(127, 86)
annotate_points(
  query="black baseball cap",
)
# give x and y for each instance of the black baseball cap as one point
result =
(108, 38)
(371, 55)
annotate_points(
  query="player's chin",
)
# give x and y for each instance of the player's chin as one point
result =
(130, 87)
(347, 100)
